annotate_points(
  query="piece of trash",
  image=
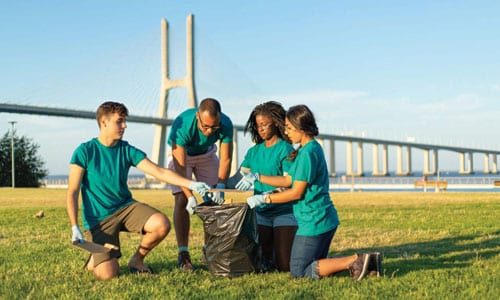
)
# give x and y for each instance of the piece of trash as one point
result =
(93, 247)
(40, 214)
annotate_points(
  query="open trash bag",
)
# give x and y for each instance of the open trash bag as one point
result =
(231, 240)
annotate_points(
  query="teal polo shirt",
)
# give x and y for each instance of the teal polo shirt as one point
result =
(315, 212)
(270, 161)
(185, 133)
(104, 184)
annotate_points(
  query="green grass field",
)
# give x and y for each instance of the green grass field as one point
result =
(437, 246)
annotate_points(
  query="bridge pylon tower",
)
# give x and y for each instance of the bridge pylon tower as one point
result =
(167, 83)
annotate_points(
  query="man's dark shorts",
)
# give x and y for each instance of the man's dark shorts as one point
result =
(131, 218)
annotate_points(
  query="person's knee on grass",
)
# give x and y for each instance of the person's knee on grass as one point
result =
(106, 270)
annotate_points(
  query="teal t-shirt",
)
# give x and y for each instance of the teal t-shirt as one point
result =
(271, 161)
(104, 184)
(315, 212)
(185, 133)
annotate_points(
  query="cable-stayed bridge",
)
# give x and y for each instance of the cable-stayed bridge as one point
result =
(379, 167)
(355, 146)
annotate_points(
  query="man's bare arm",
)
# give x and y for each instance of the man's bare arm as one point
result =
(225, 157)
(74, 181)
(163, 174)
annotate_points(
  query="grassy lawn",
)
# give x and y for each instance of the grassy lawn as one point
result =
(436, 246)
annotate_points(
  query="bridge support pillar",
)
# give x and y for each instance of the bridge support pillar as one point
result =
(348, 154)
(470, 163)
(360, 159)
(494, 169)
(461, 166)
(399, 166)
(431, 164)
(466, 163)
(399, 162)
(375, 160)
(426, 170)
(486, 163)
(385, 160)
(435, 161)
(408, 161)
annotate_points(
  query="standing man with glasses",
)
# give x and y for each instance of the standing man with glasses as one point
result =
(193, 137)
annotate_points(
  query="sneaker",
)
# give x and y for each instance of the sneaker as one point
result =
(375, 264)
(359, 268)
(184, 261)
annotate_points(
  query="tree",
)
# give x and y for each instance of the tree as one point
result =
(29, 166)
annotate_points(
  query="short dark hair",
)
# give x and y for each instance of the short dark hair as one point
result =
(108, 108)
(211, 105)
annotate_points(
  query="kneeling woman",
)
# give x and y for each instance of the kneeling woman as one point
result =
(276, 223)
(313, 208)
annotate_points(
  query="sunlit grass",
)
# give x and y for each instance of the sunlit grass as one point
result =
(436, 245)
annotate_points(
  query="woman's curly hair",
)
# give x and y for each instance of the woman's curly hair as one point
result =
(273, 110)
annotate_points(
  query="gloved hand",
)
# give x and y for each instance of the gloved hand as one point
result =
(256, 200)
(247, 181)
(191, 204)
(207, 197)
(218, 197)
(199, 187)
(77, 235)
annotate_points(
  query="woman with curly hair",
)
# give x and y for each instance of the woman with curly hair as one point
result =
(276, 223)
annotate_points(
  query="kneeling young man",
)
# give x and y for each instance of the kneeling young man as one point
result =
(99, 168)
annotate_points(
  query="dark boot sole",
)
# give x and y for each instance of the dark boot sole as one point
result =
(364, 271)
(376, 264)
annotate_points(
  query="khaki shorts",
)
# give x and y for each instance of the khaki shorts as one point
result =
(129, 219)
(204, 167)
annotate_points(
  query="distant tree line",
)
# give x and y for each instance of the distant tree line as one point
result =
(29, 166)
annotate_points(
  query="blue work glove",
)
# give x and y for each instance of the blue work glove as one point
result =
(77, 235)
(218, 197)
(191, 204)
(256, 200)
(247, 181)
(199, 187)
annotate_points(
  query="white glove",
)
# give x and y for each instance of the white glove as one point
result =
(247, 181)
(199, 187)
(256, 200)
(218, 197)
(77, 235)
(191, 204)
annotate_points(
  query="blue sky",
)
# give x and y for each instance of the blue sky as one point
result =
(383, 69)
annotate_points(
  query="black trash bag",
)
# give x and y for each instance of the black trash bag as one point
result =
(231, 239)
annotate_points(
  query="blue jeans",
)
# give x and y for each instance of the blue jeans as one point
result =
(306, 251)
(276, 220)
